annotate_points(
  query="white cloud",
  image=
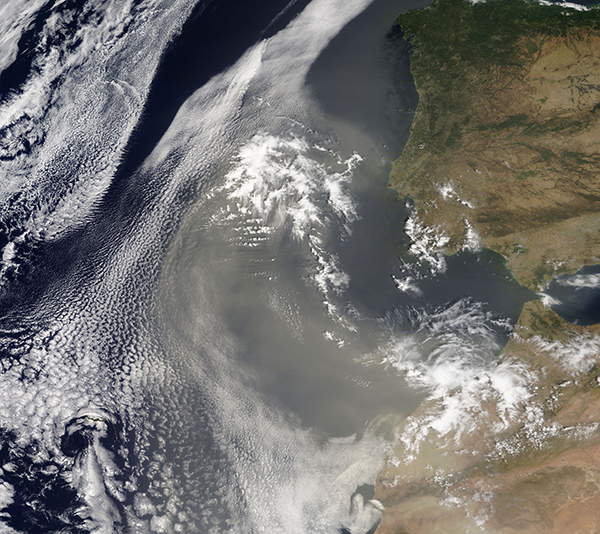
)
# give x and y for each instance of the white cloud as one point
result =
(580, 281)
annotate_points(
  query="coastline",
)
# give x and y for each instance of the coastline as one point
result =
(506, 149)
(503, 152)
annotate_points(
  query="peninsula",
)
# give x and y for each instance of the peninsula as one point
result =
(503, 154)
(505, 138)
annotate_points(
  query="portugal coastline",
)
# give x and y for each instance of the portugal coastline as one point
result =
(215, 316)
(503, 155)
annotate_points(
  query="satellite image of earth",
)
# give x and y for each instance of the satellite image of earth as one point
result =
(503, 155)
(299, 267)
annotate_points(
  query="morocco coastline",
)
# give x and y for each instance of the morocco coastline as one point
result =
(503, 155)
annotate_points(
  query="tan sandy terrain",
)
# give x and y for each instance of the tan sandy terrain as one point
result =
(517, 164)
(540, 474)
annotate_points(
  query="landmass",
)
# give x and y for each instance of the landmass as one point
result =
(504, 143)
(503, 154)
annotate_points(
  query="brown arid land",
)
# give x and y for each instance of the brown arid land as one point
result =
(540, 473)
(504, 154)
(517, 160)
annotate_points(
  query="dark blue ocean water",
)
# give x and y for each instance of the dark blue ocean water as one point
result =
(578, 295)
(199, 255)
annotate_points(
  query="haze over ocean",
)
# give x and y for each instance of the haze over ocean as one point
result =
(210, 318)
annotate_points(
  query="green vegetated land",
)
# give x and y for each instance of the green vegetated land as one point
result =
(458, 44)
